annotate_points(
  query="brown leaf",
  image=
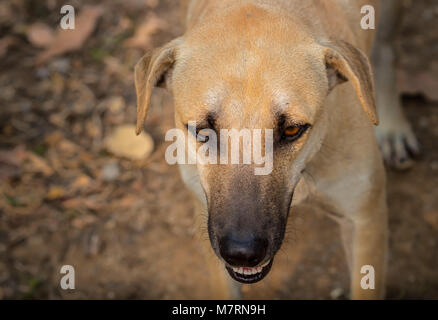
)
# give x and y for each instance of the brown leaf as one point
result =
(113, 66)
(40, 35)
(55, 192)
(143, 35)
(70, 40)
(80, 183)
(10, 162)
(431, 218)
(83, 221)
(38, 164)
(81, 202)
(123, 142)
(5, 43)
(13, 157)
(53, 138)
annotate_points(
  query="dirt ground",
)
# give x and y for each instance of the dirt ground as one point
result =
(127, 226)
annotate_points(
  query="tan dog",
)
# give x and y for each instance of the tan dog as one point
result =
(301, 69)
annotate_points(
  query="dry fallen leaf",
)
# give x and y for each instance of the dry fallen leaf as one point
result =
(14, 157)
(5, 43)
(38, 164)
(55, 192)
(40, 35)
(115, 104)
(143, 35)
(431, 218)
(113, 66)
(70, 40)
(53, 138)
(124, 143)
(128, 201)
(10, 162)
(83, 221)
(81, 202)
(80, 183)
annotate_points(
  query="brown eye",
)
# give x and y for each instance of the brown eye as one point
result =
(292, 133)
(203, 135)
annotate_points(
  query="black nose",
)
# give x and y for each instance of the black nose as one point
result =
(243, 252)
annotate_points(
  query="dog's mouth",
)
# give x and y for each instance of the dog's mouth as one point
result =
(250, 275)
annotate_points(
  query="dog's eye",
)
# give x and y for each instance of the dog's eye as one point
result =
(292, 133)
(202, 135)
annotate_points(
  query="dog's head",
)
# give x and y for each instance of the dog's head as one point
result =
(252, 78)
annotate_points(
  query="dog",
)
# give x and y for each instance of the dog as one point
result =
(302, 69)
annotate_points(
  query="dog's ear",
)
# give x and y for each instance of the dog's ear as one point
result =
(150, 72)
(345, 62)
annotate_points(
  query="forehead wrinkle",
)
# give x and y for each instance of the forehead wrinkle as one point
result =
(281, 101)
(213, 99)
(292, 105)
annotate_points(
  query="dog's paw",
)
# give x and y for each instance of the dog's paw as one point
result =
(398, 144)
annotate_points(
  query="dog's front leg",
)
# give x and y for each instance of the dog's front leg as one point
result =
(365, 238)
(369, 253)
(223, 287)
(358, 204)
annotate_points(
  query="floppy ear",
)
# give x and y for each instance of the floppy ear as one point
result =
(345, 62)
(151, 71)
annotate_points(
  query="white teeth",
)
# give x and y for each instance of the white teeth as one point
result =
(265, 264)
(238, 270)
(250, 271)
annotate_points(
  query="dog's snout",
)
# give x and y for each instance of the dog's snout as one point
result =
(241, 252)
